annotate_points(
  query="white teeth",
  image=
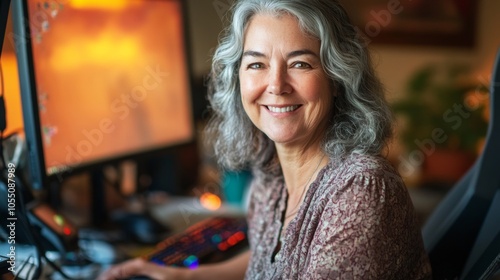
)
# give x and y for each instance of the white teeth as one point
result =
(282, 109)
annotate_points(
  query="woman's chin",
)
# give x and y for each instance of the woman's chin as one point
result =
(282, 139)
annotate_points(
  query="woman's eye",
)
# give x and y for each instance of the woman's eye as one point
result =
(301, 65)
(255, 66)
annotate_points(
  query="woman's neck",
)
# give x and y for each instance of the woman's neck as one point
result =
(299, 171)
(300, 168)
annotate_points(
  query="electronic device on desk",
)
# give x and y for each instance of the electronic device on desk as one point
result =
(4, 12)
(102, 83)
(61, 234)
(211, 240)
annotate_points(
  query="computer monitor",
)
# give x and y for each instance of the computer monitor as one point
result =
(4, 12)
(101, 81)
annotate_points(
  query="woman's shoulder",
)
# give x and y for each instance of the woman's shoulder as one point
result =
(364, 207)
(366, 182)
(363, 165)
(359, 175)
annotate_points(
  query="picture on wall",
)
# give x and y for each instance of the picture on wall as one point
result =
(415, 22)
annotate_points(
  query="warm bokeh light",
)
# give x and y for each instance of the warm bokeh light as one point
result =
(12, 94)
(101, 4)
(59, 220)
(67, 231)
(210, 201)
(476, 99)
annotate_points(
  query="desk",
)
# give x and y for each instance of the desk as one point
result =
(26, 263)
(176, 213)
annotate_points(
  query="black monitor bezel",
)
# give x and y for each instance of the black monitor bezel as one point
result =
(4, 14)
(40, 180)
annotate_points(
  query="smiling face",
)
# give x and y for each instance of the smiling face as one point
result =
(284, 89)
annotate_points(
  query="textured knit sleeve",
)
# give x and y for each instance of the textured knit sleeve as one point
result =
(365, 225)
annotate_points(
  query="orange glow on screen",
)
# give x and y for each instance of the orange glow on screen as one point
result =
(101, 4)
(12, 93)
(111, 79)
(104, 50)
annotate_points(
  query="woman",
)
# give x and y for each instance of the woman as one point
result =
(294, 96)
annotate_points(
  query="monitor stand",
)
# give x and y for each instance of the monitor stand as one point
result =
(139, 226)
(98, 210)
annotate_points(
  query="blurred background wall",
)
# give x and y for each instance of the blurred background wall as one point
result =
(395, 63)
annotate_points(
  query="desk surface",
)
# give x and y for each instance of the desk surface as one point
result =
(179, 213)
(176, 213)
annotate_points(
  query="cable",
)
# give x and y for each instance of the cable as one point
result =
(2, 159)
(34, 238)
(3, 118)
(23, 265)
(56, 268)
(2, 87)
(23, 215)
(31, 234)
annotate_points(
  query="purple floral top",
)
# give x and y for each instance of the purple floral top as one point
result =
(356, 222)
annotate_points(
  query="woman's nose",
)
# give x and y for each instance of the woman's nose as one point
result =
(278, 81)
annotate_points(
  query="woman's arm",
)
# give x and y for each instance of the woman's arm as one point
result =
(233, 268)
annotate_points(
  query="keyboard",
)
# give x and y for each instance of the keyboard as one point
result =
(210, 240)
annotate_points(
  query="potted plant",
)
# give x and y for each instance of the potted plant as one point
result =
(444, 116)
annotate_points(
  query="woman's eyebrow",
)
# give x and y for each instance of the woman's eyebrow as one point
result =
(289, 55)
(301, 52)
(253, 54)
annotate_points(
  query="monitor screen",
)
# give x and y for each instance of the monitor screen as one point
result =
(101, 80)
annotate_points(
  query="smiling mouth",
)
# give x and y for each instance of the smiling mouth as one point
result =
(282, 109)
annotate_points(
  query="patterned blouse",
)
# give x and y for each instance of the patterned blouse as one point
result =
(356, 222)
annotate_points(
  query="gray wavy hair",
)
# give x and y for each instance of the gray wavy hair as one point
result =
(361, 121)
